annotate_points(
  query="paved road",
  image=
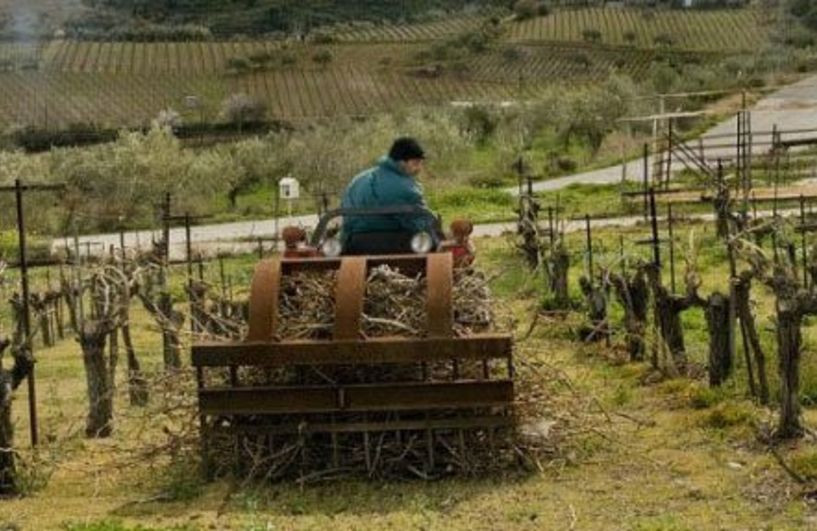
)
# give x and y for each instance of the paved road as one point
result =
(213, 239)
(791, 108)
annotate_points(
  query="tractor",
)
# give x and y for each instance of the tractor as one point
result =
(430, 405)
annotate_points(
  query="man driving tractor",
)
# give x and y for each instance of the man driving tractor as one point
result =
(391, 183)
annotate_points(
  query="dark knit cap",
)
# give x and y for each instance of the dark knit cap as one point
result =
(406, 149)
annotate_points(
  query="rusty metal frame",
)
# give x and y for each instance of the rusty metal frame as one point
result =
(350, 290)
(266, 284)
(356, 398)
(459, 404)
(440, 282)
(477, 422)
(370, 351)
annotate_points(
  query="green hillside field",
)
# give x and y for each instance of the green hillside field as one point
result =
(56, 82)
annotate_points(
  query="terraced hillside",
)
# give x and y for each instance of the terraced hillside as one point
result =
(127, 84)
(716, 30)
(695, 30)
(54, 83)
(415, 32)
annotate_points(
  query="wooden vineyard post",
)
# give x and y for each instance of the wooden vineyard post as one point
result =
(669, 157)
(551, 228)
(803, 242)
(19, 189)
(671, 247)
(166, 229)
(656, 242)
(589, 235)
(646, 182)
(187, 219)
(731, 346)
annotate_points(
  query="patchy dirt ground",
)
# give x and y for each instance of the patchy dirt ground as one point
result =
(667, 455)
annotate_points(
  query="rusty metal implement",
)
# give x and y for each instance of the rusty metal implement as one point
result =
(398, 384)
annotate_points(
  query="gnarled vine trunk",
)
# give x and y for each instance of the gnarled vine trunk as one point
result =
(633, 295)
(559, 270)
(743, 310)
(720, 352)
(93, 340)
(10, 380)
(789, 339)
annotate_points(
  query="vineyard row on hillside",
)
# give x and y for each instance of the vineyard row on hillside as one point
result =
(720, 30)
(717, 31)
(354, 84)
(57, 100)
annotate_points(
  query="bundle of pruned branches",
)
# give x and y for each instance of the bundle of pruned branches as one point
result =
(395, 304)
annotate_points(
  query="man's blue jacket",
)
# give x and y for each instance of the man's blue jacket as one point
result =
(384, 185)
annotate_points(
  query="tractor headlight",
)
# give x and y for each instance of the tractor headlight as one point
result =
(422, 243)
(331, 247)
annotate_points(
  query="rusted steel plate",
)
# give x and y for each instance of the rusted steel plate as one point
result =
(410, 263)
(375, 350)
(242, 400)
(266, 284)
(349, 293)
(356, 398)
(340, 426)
(440, 289)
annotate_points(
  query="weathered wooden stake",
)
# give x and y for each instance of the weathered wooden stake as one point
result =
(671, 247)
(646, 181)
(803, 241)
(656, 246)
(18, 190)
(589, 234)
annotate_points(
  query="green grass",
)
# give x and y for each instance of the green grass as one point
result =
(117, 525)
(484, 205)
(669, 472)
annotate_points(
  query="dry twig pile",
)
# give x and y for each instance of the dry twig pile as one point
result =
(395, 304)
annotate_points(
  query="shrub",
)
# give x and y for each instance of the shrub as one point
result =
(476, 41)
(591, 35)
(525, 9)
(322, 37)
(238, 64)
(630, 37)
(168, 118)
(566, 164)
(37, 248)
(805, 463)
(727, 414)
(487, 180)
(703, 397)
(34, 140)
(799, 37)
(512, 54)
(664, 40)
(261, 58)
(479, 123)
(242, 108)
(323, 57)
(288, 59)
(580, 58)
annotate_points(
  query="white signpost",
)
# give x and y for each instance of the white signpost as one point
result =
(290, 189)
